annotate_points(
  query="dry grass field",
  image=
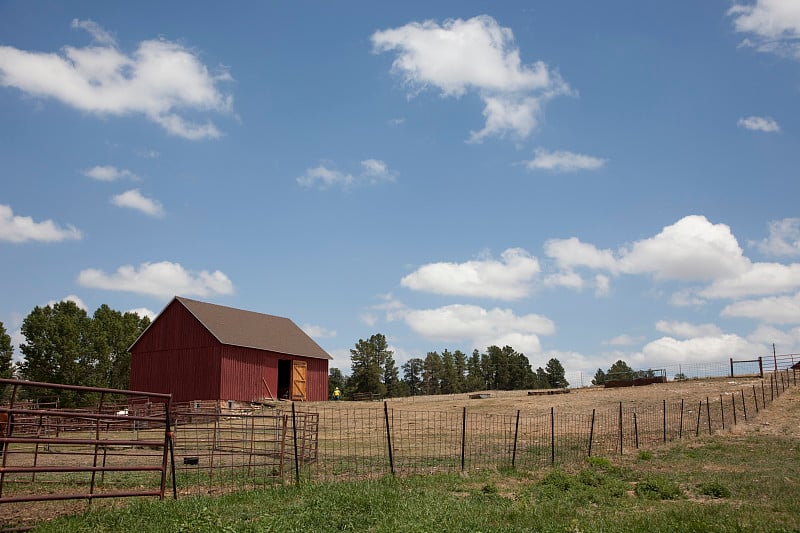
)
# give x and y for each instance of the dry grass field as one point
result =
(351, 442)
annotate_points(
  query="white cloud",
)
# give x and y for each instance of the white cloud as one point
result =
(159, 80)
(373, 172)
(318, 332)
(324, 178)
(692, 249)
(133, 199)
(773, 310)
(473, 55)
(98, 33)
(572, 252)
(784, 238)
(144, 312)
(376, 171)
(602, 285)
(686, 330)
(561, 161)
(668, 350)
(566, 278)
(508, 279)
(759, 279)
(785, 341)
(109, 173)
(686, 298)
(774, 25)
(162, 280)
(765, 124)
(22, 229)
(623, 340)
(483, 327)
(71, 298)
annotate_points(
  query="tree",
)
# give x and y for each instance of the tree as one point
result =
(57, 347)
(335, 380)
(599, 377)
(6, 353)
(391, 377)
(367, 363)
(432, 373)
(474, 380)
(412, 375)
(507, 369)
(112, 333)
(450, 384)
(556, 377)
(620, 370)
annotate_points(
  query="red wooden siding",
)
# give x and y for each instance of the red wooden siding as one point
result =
(242, 370)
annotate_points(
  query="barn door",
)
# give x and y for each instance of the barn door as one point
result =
(298, 380)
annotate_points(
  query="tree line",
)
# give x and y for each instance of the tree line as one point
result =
(63, 344)
(374, 371)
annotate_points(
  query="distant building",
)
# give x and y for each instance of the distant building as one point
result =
(202, 351)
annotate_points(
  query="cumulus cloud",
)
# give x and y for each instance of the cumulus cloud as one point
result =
(71, 298)
(109, 173)
(162, 280)
(773, 309)
(507, 279)
(318, 332)
(720, 347)
(483, 327)
(567, 278)
(765, 124)
(133, 199)
(772, 25)
(692, 249)
(758, 279)
(460, 56)
(23, 229)
(687, 330)
(571, 252)
(373, 172)
(160, 80)
(784, 238)
(561, 161)
(144, 312)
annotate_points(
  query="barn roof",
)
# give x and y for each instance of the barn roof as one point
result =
(248, 329)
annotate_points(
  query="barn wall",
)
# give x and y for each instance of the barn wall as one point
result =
(177, 355)
(242, 370)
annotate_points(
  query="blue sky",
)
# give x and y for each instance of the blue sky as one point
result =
(579, 180)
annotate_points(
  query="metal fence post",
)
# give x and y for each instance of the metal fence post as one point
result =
(744, 406)
(680, 429)
(552, 437)
(463, 437)
(516, 436)
(296, 458)
(388, 436)
(722, 411)
(620, 428)
(591, 434)
(664, 404)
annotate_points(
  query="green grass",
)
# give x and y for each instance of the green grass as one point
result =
(719, 484)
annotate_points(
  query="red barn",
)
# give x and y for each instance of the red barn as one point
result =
(202, 351)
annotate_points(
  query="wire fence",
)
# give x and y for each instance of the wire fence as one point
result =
(216, 449)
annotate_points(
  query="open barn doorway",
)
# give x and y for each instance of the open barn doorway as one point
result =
(292, 379)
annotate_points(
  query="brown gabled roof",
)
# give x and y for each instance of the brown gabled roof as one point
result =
(248, 329)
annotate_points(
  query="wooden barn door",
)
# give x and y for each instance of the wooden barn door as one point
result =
(298, 380)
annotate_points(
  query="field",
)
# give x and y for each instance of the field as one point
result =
(752, 445)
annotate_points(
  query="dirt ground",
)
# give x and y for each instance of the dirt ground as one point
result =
(779, 418)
